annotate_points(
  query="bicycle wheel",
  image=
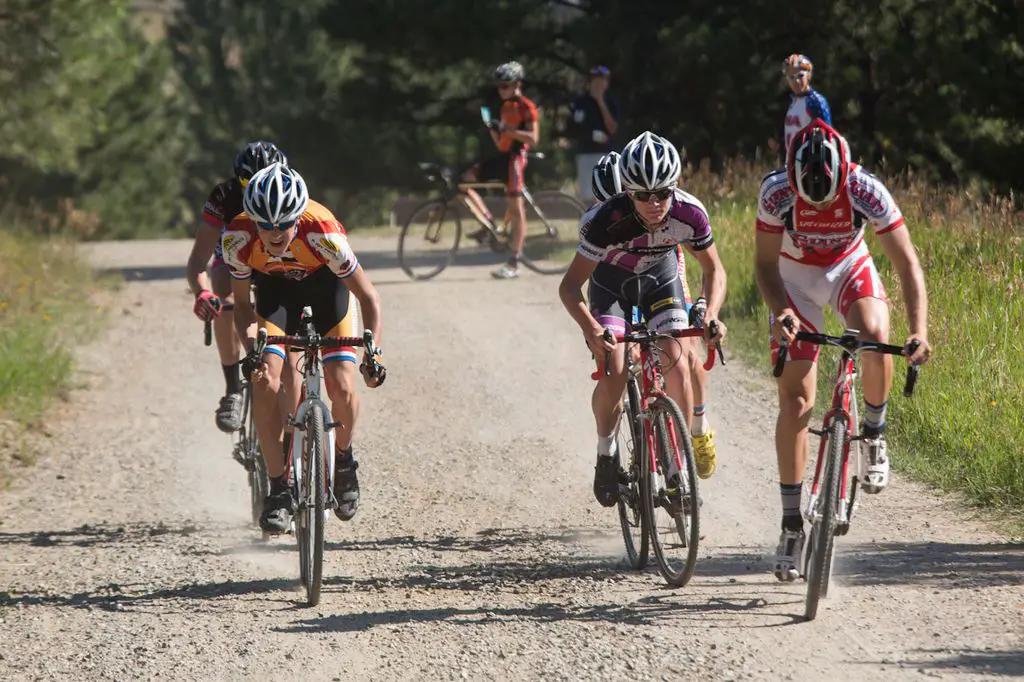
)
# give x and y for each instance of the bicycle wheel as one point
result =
(674, 509)
(822, 539)
(313, 507)
(631, 450)
(259, 481)
(429, 239)
(552, 231)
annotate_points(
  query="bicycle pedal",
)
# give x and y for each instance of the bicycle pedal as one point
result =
(332, 425)
(842, 528)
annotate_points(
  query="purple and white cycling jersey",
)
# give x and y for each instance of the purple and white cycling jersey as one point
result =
(613, 233)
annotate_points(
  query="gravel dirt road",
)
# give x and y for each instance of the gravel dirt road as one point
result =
(478, 551)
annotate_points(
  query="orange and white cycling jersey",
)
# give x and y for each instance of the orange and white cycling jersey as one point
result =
(320, 242)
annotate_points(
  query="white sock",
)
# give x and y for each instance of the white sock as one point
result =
(701, 425)
(604, 445)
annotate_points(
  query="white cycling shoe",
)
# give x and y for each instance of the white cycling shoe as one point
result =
(788, 555)
(877, 472)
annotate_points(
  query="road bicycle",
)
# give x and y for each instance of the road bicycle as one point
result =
(431, 235)
(309, 464)
(245, 448)
(659, 498)
(833, 497)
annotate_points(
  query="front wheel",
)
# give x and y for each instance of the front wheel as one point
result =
(429, 239)
(552, 231)
(674, 502)
(312, 505)
(821, 544)
(630, 451)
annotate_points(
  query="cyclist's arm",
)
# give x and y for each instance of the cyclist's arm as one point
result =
(369, 302)
(570, 291)
(245, 314)
(900, 251)
(767, 247)
(530, 136)
(202, 249)
(712, 278)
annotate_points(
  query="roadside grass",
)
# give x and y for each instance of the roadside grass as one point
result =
(964, 427)
(45, 289)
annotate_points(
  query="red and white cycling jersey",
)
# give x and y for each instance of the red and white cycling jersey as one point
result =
(823, 237)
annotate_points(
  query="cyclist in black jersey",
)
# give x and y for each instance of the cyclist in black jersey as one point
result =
(628, 254)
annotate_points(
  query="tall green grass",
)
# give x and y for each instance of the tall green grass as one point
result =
(964, 428)
(44, 307)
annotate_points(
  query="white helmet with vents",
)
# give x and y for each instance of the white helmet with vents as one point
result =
(277, 195)
(648, 163)
(606, 182)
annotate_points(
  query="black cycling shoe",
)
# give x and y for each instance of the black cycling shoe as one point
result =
(277, 513)
(229, 413)
(606, 481)
(346, 487)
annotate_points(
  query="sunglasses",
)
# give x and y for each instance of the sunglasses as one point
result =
(797, 76)
(286, 225)
(504, 86)
(600, 71)
(660, 195)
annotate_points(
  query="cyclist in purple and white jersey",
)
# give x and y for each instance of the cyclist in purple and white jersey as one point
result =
(628, 255)
(606, 183)
(806, 103)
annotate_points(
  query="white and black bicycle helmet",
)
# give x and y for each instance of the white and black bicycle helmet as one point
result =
(257, 156)
(277, 194)
(606, 181)
(509, 72)
(649, 163)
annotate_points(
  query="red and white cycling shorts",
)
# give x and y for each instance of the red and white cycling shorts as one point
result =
(809, 288)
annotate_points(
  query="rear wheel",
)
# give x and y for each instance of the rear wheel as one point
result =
(259, 481)
(630, 450)
(552, 231)
(674, 500)
(822, 540)
(429, 239)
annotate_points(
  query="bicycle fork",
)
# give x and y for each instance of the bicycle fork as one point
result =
(310, 397)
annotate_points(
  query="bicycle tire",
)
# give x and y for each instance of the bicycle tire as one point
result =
(665, 411)
(314, 516)
(299, 475)
(408, 260)
(259, 480)
(631, 516)
(550, 244)
(822, 537)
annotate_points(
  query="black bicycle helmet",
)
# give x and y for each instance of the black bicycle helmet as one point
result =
(255, 157)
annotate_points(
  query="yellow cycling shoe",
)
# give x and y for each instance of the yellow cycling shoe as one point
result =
(705, 454)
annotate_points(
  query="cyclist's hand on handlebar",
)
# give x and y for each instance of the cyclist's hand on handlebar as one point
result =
(373, 370)
(253, 366)
(921, 353)
(697, 312)
(207, 305)
(599, 343)
(719, 329)
(786, 325)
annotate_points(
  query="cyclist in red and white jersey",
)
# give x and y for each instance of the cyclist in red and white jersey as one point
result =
(628, 254)
(606, 183)
(810, 252)
(223, 204)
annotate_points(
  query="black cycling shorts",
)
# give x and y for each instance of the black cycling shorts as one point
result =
(658, 292)
(279, 303)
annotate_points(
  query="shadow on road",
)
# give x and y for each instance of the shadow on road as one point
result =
(988, 663)
(923, 563)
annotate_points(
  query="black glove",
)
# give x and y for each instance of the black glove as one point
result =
(373, 367)
(250, 363)
(697, 312)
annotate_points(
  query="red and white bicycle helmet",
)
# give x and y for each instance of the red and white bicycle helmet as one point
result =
(818, 163)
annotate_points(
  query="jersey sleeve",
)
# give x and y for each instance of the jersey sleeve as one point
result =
(692, 212)
(591, 247)
(236, 243)
(872, 199)
(328, 241)
(528, 111)
(213, 209)
(817, 107)
(774, 191)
